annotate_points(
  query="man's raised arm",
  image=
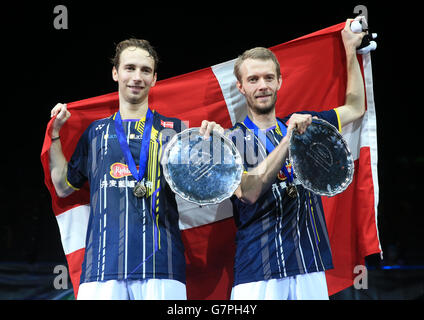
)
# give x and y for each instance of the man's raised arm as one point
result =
(58, 163)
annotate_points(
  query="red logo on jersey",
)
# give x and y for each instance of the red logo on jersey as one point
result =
(119, 170)
(281, 174)
(167, 124)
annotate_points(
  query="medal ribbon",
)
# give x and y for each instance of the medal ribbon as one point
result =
(269, 145)
(144, 154)
(145, 144)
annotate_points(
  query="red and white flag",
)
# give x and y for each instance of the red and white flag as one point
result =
(314, 78)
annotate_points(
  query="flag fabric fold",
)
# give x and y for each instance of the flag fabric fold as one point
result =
(314, 78)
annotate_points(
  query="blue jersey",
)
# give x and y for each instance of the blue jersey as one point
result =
(127, 237)
(278, 236)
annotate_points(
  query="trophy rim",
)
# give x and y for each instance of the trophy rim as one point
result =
(216, 200)
(349, 176)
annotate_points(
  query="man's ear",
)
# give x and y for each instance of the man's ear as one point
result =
(280, 82)
(115, 74)
(155, 77)
(240, 87)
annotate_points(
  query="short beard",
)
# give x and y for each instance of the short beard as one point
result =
(264, 110)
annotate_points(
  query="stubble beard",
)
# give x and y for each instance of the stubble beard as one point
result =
(263, 110)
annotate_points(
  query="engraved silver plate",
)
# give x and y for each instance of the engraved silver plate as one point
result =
(321, 159)
(202, 171)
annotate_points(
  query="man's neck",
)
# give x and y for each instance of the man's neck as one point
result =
(132, 111)
(262, 121)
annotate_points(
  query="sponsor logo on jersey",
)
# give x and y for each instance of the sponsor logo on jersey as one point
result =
(119, 170)
(281, 174)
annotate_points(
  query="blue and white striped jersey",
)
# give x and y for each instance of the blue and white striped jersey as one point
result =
(127, 237)
(278, 236)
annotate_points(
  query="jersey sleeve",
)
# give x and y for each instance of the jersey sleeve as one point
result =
(330, 116)
(78, 164)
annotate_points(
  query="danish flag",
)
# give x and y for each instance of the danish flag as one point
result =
(314, 78)
(167, 124)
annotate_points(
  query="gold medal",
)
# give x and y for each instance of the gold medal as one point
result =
(291, 190)
(139, 190)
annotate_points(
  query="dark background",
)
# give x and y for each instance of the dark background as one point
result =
(42, 66)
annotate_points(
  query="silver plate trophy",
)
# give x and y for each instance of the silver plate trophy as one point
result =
(202, 171)
(321, 159)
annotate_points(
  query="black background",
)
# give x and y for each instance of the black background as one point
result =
(42, 66)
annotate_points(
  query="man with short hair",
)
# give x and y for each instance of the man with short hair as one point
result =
(282, 240)
(133, 246)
